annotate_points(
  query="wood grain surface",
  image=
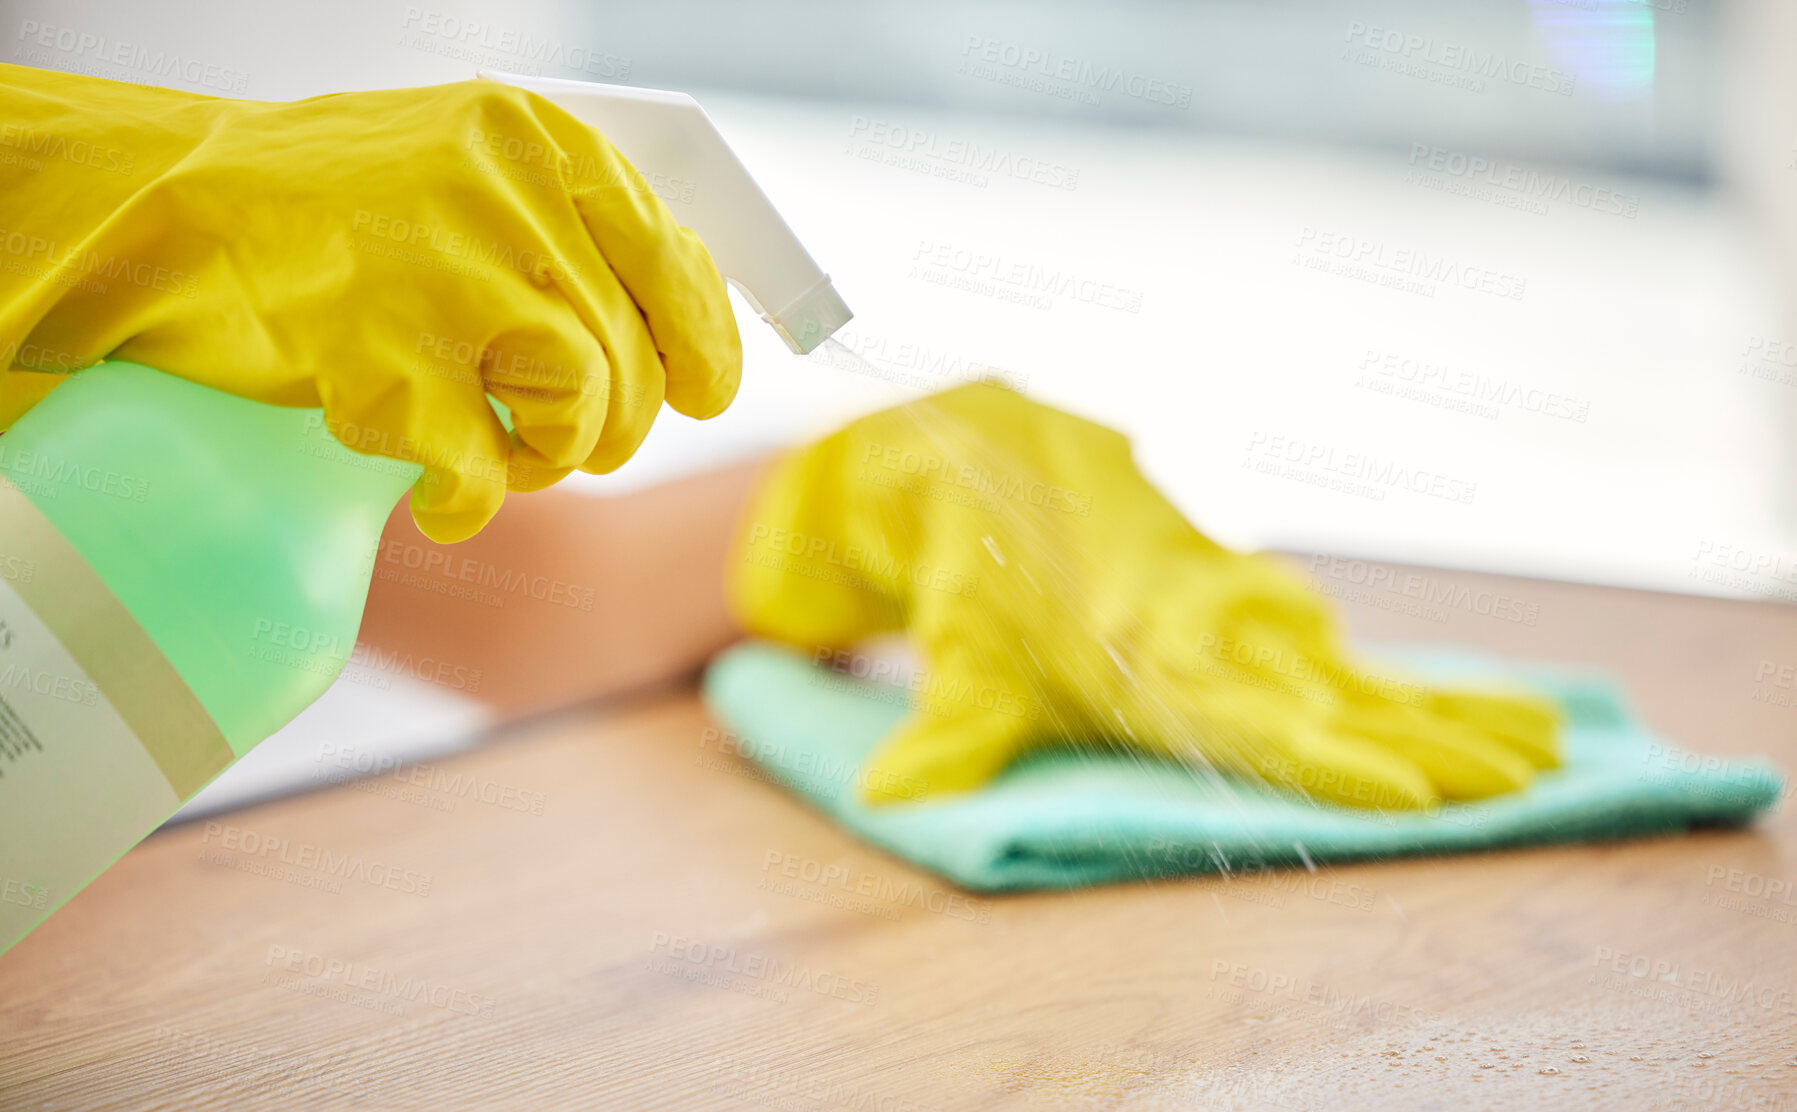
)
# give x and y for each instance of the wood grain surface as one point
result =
(603, 910)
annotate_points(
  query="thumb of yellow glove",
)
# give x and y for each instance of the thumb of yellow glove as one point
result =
(967, 724)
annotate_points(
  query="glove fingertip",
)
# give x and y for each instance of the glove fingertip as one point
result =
(707, 390)
(455, 517)
(705, 363)
(1527, 724)
(528, 470)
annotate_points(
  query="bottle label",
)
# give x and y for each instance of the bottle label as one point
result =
(100, 739)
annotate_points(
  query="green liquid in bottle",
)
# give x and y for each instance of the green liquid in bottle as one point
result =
(241, 537)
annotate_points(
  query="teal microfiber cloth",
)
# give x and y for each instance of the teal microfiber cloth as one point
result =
(1065, 818)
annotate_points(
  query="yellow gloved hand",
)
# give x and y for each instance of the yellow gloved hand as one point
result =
(1056, 596)
(392, 256)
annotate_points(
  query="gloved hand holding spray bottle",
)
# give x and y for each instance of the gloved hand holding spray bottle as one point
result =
(184, 556)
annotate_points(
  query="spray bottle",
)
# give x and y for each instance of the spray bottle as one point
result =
(183, 571)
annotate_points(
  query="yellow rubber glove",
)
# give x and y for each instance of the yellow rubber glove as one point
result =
(1056, 596)
(391, 256)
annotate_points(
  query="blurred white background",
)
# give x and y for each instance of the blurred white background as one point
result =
(1503, 284)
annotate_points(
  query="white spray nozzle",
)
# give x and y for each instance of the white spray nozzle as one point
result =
(673, 142)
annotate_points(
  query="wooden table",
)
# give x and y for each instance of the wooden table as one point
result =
(604, 910)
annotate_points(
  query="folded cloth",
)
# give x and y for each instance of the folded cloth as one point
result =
(1066, 818)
